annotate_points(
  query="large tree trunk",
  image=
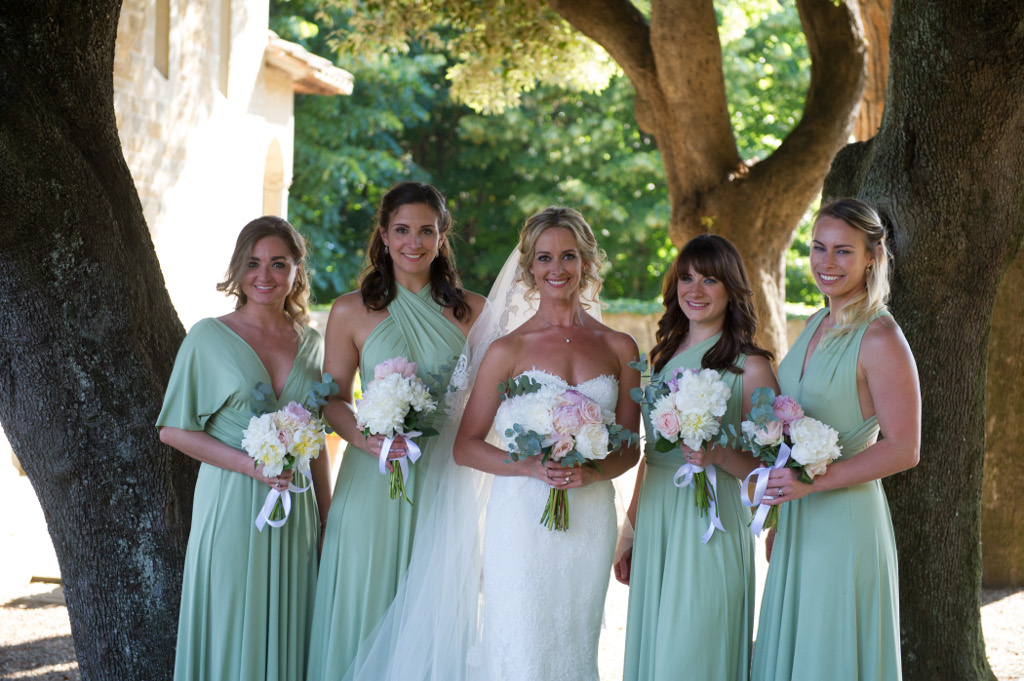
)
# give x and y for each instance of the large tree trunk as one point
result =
(1002, 513)
(946, 171)
(89, 338)
(875, 16)
(674, 61)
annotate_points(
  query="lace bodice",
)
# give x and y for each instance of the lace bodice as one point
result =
(603, 389)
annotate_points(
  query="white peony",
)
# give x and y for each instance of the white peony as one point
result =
(815, 445)
(697, 428)
(702, 391)
(262, 441)
(592, 441)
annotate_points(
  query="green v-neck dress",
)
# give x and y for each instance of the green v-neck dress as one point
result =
(246, 595)
(830, 608)
(369, 535)
(691, 605)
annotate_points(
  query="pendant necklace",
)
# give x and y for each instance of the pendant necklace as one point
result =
(568, 338)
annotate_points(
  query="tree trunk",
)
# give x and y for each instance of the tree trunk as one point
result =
(946, 171)
(89, 338)
(874, 15)
(674, 61)
(1002, 514)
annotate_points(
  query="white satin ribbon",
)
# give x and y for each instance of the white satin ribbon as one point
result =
(263, 518)
(684, 477)
(412, 453)
(760, 487)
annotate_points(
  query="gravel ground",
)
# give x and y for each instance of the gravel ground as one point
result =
(35, 636)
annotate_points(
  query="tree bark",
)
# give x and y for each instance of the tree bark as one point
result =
(946, 171)
(874, 15)
(89, 337)
(675, 64)
(1002, 514)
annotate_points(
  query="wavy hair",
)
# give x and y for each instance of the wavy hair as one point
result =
(557, 216)
(296, 304)
(872, 300)
(377, 281)
(711, 256)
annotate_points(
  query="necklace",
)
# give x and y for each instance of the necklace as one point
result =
(564, 337)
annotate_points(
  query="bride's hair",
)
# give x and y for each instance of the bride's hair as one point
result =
(711, 256)
(296, 305)
(590, 254)
(872, 299)
(377, 281)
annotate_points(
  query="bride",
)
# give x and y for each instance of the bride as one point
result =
(543, 590)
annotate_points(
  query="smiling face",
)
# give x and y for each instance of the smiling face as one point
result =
(703, 299)
(839, 259)
(557, 265)
(270, 273)
(413, 239)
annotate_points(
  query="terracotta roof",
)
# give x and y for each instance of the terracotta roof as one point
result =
(311, 75)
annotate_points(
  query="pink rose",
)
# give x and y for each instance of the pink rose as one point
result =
(787, 410)
(667, 423)
(395, 365)
(285, 436)
(566, 419)
(562, 446)
(770, 434)
(296, 413)
(591, 413)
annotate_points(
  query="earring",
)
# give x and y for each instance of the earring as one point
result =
(386, 251)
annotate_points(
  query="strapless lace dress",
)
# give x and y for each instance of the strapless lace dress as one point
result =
(544, 591)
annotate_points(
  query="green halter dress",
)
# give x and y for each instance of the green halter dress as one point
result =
(369, 535)
(246, 595)
(831, 600)
(691, 605)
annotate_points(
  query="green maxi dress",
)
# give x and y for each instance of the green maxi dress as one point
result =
(369, 535)
(246, 595)
(691, 605)
(830, 608)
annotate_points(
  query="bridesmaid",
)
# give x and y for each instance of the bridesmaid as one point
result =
(247, 596)
(410, 303)
(691, 604)
(831, 601)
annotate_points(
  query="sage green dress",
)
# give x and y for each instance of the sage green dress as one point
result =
(691, 605)
(830, 608)
(246, 595)
(369, 535)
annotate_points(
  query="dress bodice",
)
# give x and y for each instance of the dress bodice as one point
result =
(603, 389)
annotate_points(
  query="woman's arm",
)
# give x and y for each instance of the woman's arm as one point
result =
(892, 387)
(320, 468)
(757, 373)
(471, 446)
(204, 447)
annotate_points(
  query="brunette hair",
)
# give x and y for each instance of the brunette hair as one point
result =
(590, 254)
(296, 305)
(377, 281)
(869, 302)
(711, 256)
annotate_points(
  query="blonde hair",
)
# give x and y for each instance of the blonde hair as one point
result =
(866, 304)
(557, 216)
(296, 305)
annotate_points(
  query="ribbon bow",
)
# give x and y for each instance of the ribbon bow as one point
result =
(263, 518)
(411, 455)
(760, 487)
(684, 478)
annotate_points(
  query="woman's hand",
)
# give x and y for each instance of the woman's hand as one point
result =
(623, 566)
(698, 457)
(278, 482)
(567, 477)
(397, 451)
(784, 485)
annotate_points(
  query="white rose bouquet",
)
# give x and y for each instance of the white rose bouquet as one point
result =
(779, 434)
(565, 425)
(286, 439)
(396, 403)
(687, 405)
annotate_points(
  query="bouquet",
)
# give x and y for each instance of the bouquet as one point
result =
(563, 424)
(396, 403)
(688, 405)
(779, 434)
(286, 439)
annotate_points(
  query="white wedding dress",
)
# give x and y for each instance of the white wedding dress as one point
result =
(544, 591)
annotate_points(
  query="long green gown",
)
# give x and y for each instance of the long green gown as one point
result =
(369, 535)
(831, 600)
(691, 605)
(246, 596)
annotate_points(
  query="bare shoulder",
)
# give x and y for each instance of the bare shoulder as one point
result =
(476, 303)
(758, 368)
(348, 304)
(885, 345)
(622, 344)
